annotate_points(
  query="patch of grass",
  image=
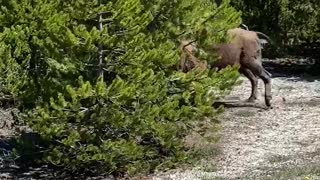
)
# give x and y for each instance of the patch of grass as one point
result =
(203, 144)
(278, 158)
(204, 156)
(208, 166)
(244, 113)
(204, 147)
(209, 177)
(308, 172)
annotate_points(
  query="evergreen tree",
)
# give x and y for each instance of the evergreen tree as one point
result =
(299, 21)
(290, 22)
(129, 112)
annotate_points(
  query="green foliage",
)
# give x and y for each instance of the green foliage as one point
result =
(290, 22)
(300, 21)
(40, 48)
(135, 116)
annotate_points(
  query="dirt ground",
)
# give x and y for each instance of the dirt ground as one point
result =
(279, 143)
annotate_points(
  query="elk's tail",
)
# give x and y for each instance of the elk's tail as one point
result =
(268, 73)
(264, 35)
(245, 26)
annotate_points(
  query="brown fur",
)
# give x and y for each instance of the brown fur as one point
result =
(229, 54)
(187, 59)
(248, 40)
(244, 49)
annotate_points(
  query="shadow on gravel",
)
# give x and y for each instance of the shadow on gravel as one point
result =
(25, 167)
(295, 69)
(238, 104)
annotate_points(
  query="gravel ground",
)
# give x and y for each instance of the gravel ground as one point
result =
(257, 143)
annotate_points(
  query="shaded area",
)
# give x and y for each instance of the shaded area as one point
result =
(24, 166)
(294, 68)
(238, 104)
(311, 50)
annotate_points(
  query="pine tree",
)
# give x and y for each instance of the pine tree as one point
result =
(44, 44)
(130, 112)
(290, 22)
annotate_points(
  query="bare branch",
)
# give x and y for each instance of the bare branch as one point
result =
(100, 51)
(189, 43)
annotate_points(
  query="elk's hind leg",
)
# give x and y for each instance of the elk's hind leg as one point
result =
(254, 83)
(257, 69)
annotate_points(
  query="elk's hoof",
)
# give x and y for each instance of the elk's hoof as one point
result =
(251, 100)
(268, 103)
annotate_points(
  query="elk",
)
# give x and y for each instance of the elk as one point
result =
(244, 49)
(187, 59)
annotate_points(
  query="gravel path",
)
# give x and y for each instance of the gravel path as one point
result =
(258, 143)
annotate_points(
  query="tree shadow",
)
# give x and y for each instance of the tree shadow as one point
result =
(294, 69)
(24, 164)
(239, 104)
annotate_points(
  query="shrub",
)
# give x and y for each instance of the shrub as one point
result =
(129, 112)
